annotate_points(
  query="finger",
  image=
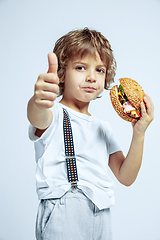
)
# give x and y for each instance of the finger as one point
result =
(44, 96)
(50, 96)
(46, 87)
(143, 109)
(51, 88)
(53, 63)
(48, 78)
(149, 105)
(43, 104)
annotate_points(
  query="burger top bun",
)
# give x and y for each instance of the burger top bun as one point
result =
(134, 93)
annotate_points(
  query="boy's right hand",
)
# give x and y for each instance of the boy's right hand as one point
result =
(46, 87)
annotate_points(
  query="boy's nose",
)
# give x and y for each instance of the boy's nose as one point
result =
(91, 77)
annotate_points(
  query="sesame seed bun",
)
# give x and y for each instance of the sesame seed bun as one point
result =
(134, 93)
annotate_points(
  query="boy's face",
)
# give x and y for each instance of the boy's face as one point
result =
(84, 79)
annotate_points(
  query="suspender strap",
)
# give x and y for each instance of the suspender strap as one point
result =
(69, 151)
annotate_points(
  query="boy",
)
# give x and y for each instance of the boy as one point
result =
(81, 66)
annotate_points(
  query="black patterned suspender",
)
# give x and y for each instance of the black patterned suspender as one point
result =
(69, 152)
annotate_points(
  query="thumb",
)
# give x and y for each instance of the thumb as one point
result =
(53, 63)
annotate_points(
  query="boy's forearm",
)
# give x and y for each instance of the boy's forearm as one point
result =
(131, 166)
(40, 119)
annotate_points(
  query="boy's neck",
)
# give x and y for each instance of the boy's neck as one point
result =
(81, 107)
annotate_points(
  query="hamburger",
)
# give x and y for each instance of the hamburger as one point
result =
(126, 99)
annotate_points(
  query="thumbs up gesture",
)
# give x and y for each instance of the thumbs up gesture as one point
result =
(46, 87)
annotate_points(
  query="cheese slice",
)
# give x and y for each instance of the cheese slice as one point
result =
(120, 94)
(134, 113)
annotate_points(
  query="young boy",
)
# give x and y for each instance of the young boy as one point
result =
(81, 66)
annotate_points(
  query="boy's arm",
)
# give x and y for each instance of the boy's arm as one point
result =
(126, 169)
(46, 88)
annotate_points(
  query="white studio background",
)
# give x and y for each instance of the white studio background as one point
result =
(28, 31)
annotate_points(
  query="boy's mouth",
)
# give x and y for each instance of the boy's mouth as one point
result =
(89, 89)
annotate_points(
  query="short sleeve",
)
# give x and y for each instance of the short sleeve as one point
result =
(31, 133)
(112, 145)
(44, 136)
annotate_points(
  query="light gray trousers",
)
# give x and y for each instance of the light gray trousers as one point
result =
(72, 217)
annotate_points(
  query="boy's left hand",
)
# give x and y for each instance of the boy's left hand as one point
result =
(147, 116)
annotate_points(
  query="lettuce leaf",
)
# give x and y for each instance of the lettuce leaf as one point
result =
(123, 93)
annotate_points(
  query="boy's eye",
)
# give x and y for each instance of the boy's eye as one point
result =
(80, 68)
(101, 70)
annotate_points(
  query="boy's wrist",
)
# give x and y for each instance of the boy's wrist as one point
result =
(138, 136)
(40, 118)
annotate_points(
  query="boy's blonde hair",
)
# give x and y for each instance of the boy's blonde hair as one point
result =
(78, 43)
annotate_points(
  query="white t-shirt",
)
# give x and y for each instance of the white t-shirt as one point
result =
(93, 142)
